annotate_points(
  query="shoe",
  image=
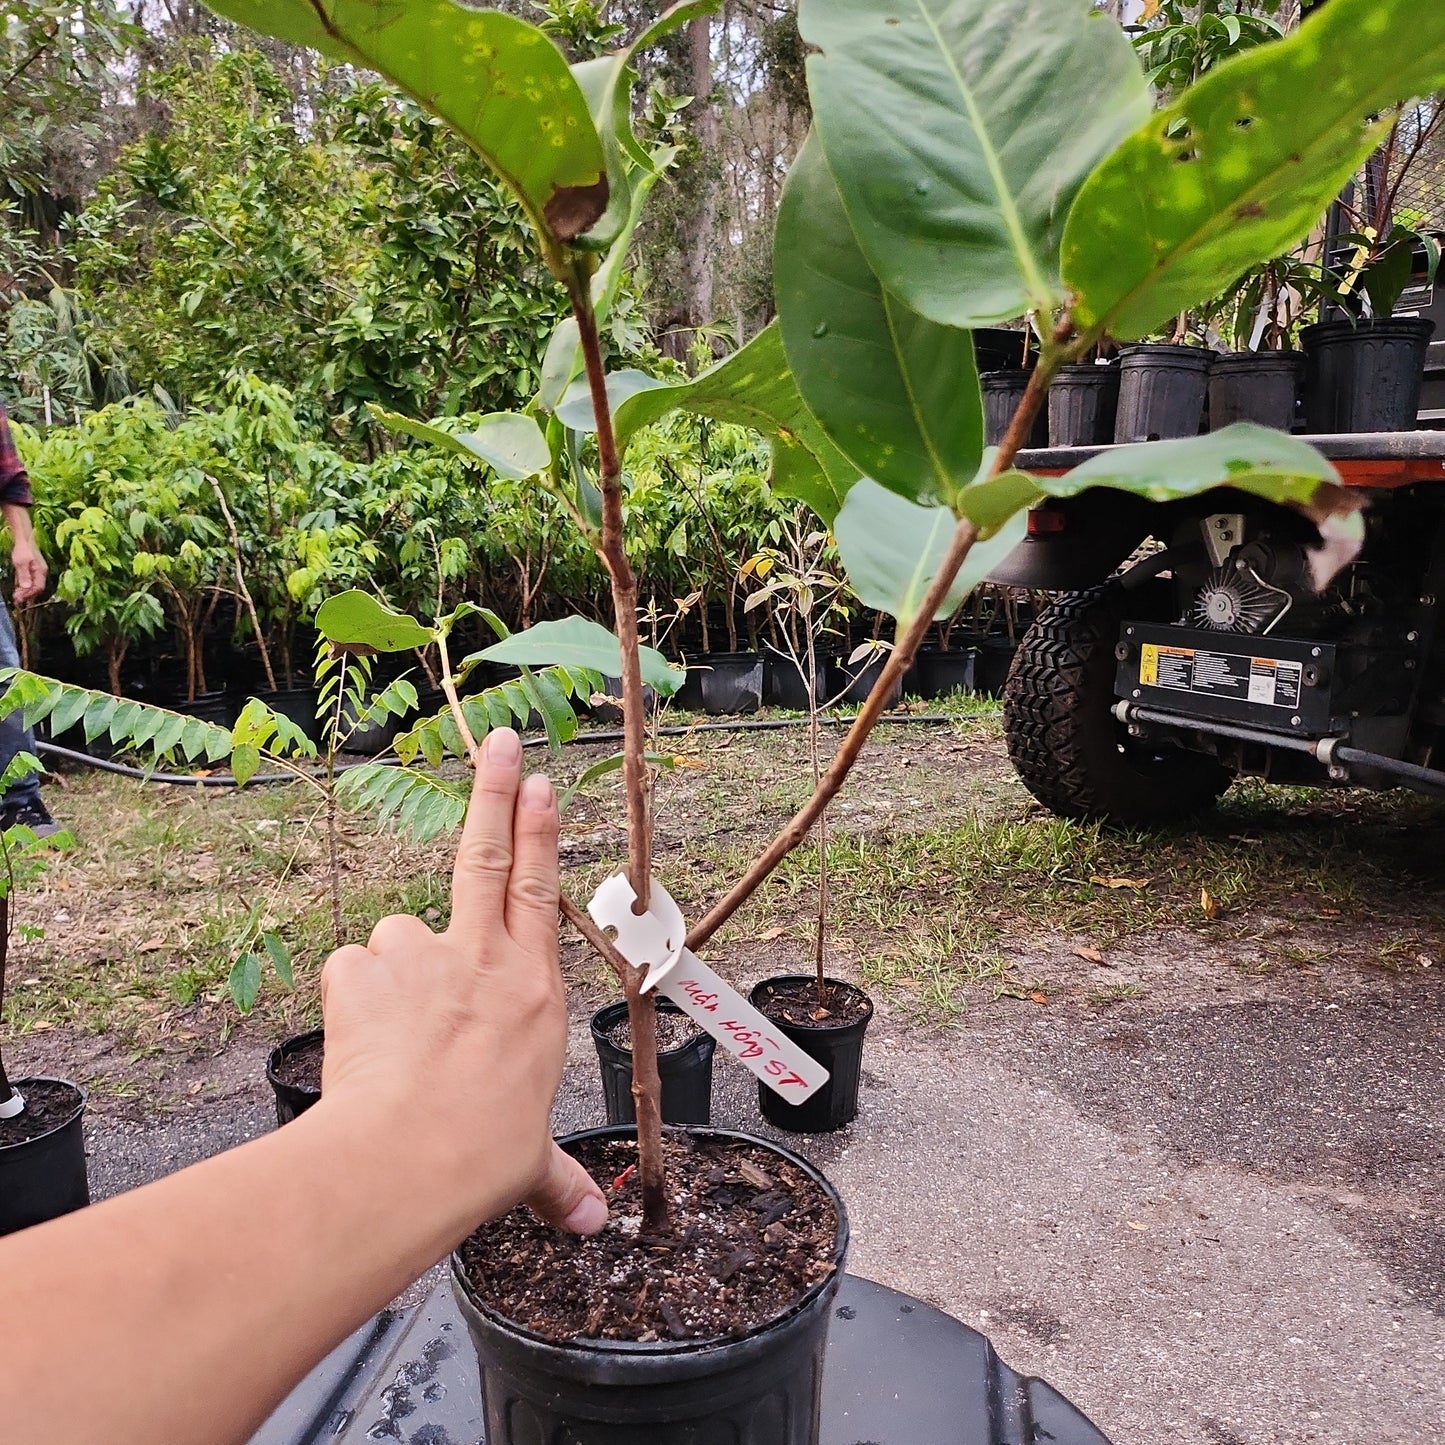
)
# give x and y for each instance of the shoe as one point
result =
(35, 816)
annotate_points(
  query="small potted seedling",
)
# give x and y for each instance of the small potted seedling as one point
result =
(42, 1147)
(824, 1016)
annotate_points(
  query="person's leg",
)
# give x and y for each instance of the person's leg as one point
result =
(15, 737)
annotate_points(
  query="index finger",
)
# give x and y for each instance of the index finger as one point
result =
(484, 856)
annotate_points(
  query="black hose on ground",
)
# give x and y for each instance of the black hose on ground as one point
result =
(225, 780)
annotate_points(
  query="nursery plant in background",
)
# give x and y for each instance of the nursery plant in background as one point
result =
(825, 1017)
(42, 1152)
(1017, 137)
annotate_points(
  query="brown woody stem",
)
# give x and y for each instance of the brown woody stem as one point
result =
(611, 547)
(904, 651)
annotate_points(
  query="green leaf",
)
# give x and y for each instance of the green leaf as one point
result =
(558, 718)
(755, 388)
(1242, 165)
(513, 445)
(245, 982)
(1256, 459)
(422, 804)
(580, 642)
(280, 959)
(499, 82)
(899, 394)
(576, 408)
(959, 132)
(356, 618)
(989, 503)
(607, 84)
(892, 549)
(245, 760)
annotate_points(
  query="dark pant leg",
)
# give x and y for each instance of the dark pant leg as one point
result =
(15, 737)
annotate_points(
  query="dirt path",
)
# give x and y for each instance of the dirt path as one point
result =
(1199, 1186)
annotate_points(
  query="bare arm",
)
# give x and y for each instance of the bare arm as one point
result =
(30, 568)
(184, 1311)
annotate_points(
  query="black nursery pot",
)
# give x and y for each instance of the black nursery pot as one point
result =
(44, 1178)
(299, 704)
(686, 1071)
(731, 682)
(1002, 392)
(785, 685)
(1083, 405)
(762, 1388)
(853, 681)
(213, 707)
(937, 674)
(1257, 386)
(838, 1047)
(1161, 392)
(1365, 377)
(995, 657)
(291, 1099)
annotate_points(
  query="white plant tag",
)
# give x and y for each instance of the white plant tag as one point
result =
(657, 940)
(13, 1106)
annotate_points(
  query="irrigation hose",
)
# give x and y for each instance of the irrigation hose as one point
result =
(225, 780)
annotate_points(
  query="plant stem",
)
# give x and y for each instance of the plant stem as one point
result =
(241, 581)
(641, 1015)
(6, 1091)
(613, 551)
(1054, 353)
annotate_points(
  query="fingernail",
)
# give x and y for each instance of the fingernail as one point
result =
(589, 1217)
(537, 793)
(504, 747)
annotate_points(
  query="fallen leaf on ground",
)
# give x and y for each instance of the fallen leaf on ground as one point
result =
(1037, 995)
(43, 1027)
(1090, 954)
(196, 1087)
(1134, 1224)
(1209, 903)
(1330, 912)
(1120, 882)
(152, 945)
(768, 934)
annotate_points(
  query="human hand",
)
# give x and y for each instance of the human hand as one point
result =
(456, 1041)
(30, 571)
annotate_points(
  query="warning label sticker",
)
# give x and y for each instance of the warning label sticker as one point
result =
(1267, 680)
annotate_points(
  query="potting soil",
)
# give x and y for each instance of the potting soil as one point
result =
(301, 1068)
(48, 1104)
(750, 1234)
(673, 1031)
(798, 1005)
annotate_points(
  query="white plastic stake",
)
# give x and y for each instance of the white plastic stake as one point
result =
(12, 1106)
(657, 940)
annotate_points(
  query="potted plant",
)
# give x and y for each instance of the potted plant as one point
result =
(1364, 372)
(824, 1016)
(42, 1148)
(1259, 380)
(1093, 229)
(1084, 402)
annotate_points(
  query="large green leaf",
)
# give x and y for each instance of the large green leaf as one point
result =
(899, 394)
(499, 82)
(754, 387)
(1244, 163)
(892, 549)
(512, 444)
(1255, 459)
(356, 618)
(576, 408)
(580, 642)
(959, 132)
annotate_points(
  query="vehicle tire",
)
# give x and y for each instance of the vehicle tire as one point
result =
(1067, 747)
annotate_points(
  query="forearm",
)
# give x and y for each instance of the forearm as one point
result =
(17, 518)
(108, 1320)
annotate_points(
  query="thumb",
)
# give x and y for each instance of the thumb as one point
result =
(568, 1196)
